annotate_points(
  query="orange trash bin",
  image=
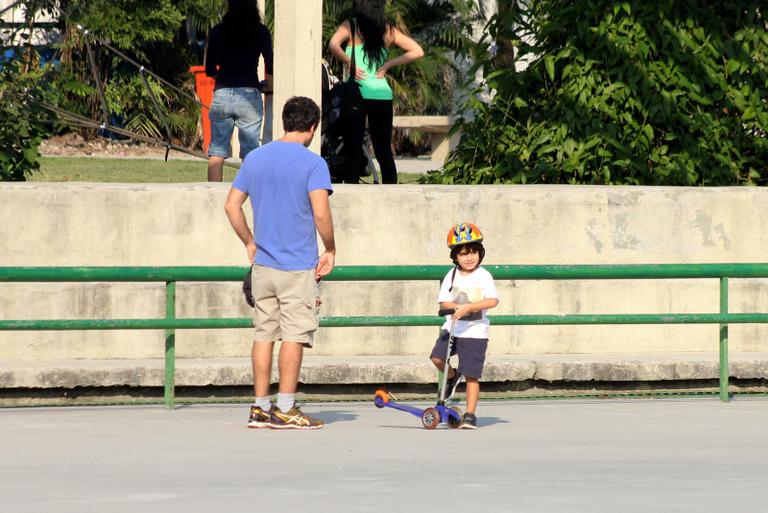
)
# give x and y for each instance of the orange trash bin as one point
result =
(204, 89)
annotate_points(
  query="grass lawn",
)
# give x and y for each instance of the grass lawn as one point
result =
(121, 170)
(95, 169)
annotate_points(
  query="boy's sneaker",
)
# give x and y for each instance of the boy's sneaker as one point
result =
(258, 417)
(293, 419)
(451, 384)
(469, 421)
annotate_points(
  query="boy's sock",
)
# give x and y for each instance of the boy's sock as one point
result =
(263, 402)
(285, 401)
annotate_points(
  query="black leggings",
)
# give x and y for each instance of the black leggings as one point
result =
(379, 115)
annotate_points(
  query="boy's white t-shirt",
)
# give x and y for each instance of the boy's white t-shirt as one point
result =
(471, 288)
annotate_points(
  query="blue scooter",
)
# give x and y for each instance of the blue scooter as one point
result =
(432, 416)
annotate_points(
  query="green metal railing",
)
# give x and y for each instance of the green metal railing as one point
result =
(171, 275)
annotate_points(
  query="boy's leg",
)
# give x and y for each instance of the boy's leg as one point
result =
(437, 356)
(439, 363)
(469, 420)
(471, 362)
(473, 394)
(439, 351)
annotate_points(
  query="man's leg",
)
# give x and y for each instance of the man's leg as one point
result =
(265, 315)
(286, 414)
(298, 322)
(261, 359)
(289, 364)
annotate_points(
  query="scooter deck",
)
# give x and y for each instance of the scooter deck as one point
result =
(431, 417)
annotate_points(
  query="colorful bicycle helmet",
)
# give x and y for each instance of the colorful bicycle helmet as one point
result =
(463, 233)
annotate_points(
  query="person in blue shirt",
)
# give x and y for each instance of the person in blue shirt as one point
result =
(289, 187)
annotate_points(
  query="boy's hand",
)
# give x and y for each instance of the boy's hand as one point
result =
(461, 311)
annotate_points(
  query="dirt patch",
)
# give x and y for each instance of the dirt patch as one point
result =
(73, 145)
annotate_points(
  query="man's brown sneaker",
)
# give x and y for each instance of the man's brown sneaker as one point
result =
(258, 418)
(293, 419)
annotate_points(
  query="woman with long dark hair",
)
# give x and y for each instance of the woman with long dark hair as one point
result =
(372, 40)
(231, 56)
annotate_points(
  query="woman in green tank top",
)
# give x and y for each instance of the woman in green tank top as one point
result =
(371, 43)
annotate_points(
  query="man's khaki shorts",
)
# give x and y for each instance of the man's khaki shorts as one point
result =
(287, 305)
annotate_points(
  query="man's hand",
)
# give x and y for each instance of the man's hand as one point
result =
(251, 249)
(324, 265)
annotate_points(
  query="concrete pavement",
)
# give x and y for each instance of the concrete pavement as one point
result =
(528, 456)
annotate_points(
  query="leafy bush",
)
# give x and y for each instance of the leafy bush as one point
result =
(653, 93)
(22, 128)
(147, 32)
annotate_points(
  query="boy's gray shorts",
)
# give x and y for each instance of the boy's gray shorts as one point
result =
(471, 353)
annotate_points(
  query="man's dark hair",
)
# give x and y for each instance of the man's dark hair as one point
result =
(300, 114)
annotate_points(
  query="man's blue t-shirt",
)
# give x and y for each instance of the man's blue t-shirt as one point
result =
(279, 177)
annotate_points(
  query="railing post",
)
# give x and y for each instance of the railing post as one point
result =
(724, 373)
(439, 331)
(170, 345)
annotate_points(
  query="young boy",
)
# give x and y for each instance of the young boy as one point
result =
(470, 291)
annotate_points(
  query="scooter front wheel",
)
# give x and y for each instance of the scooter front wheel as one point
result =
(430, 418)
(381, 398)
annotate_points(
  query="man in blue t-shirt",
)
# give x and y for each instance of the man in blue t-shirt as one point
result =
(289, 188)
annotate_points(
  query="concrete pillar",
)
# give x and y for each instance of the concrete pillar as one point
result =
(266, 124)
(298, 49)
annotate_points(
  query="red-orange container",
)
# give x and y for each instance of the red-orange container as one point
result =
(204, 88)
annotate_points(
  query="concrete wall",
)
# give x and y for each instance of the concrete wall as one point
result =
(82, 224)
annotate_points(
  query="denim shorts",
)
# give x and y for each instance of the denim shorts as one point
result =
(471, 353)
(232, 107)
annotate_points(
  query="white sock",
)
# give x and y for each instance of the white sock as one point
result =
(285, 401)
(264, 403)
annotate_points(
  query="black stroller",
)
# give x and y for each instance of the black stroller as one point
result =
(332, 136)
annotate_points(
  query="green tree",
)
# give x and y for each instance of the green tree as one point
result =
(655, 93)
(22, 120)
(149, 32)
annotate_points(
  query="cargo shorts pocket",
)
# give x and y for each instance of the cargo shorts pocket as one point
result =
(309, 321)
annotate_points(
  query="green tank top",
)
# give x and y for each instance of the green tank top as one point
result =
(372, 88)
